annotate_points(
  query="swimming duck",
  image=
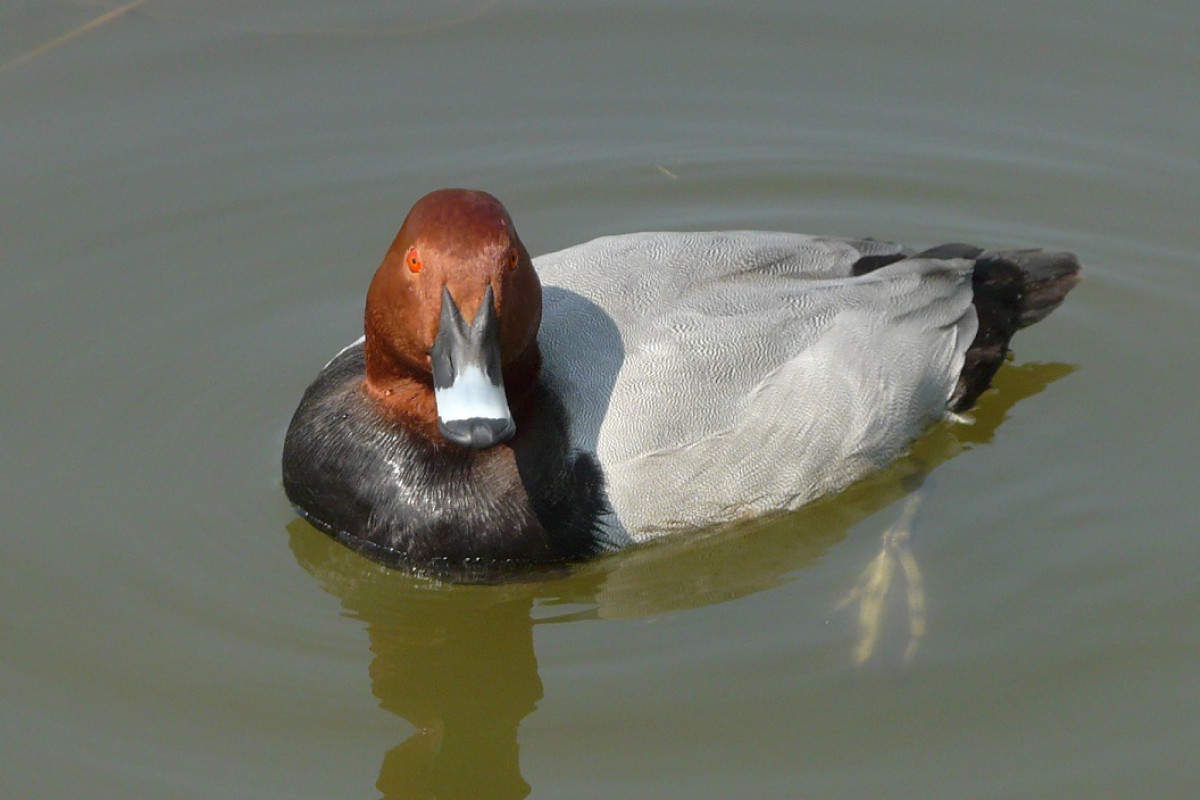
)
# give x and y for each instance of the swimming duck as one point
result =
(507, 410)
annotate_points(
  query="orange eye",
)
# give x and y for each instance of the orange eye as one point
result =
(413, 260)
(511, 259)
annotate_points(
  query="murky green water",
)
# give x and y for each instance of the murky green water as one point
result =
(194, 198)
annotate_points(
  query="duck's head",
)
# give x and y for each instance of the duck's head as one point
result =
(452, 319)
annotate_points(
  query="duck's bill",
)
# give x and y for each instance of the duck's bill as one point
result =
(477, 432)
(468, 383)
(473, 411)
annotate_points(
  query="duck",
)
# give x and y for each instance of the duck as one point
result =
(502, 410)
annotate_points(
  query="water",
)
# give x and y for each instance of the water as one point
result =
(195, 196)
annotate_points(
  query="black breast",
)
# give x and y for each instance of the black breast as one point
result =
(401, 499)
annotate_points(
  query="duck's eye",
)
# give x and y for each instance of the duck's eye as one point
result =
(413, 260)
(512, 259)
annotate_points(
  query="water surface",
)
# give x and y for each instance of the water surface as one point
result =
(195, 197)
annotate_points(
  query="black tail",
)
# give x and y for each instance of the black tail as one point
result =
(1013, 289)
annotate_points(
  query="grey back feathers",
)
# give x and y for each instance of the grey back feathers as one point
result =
(719, 376)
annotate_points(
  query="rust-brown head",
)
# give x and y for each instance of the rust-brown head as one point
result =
(452, 318)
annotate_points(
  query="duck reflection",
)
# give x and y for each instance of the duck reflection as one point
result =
(458, 661)
(465, 682)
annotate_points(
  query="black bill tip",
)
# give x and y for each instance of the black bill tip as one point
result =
(476, 432)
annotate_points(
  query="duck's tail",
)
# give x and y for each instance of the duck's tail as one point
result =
(1013, 289)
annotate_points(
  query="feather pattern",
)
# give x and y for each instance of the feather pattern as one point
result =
(752, 371)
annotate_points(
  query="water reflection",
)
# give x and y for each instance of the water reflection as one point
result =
(458, 662)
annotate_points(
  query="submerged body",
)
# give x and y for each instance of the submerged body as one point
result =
(671, 381)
